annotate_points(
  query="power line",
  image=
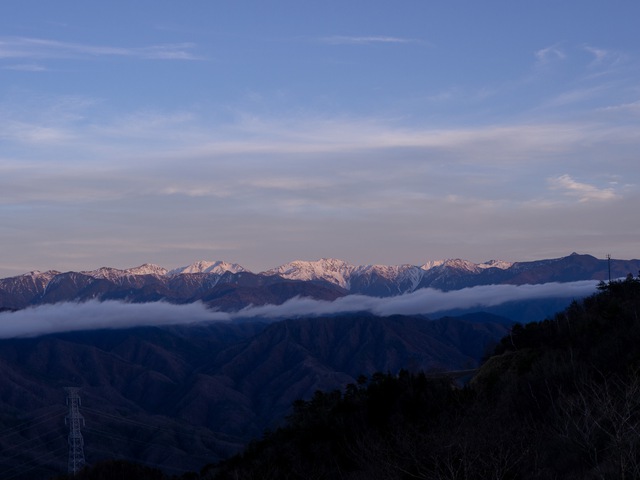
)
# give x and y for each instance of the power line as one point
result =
(28, 424)
(136, 460)
(75, 420)
(35, 463)
(175, 450)
(175, 428)
(23, 451)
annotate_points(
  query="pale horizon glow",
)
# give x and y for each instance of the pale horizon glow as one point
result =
(166, 133)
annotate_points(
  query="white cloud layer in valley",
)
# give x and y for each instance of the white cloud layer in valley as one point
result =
(66, 317)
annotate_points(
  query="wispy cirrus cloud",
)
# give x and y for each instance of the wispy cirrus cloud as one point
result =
(548, 54)
(631, 107)
(26, 67)
(576, 96)
(40, 48)
(603, 56)
(583, 191)
(366, 40)
(71, 154)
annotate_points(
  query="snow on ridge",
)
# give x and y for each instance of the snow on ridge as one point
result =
(400, 274)
(336, 271)
(332, 270)
(218, 267)
(456, 263)
(390, 272)
(467, 265)
(341, 273)
(501, 264)
(38, 274)
(432, 264)
(109, 273)
(147, 269)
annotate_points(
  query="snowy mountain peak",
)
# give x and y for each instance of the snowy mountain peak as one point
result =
(109, 273)
(460, 264)
(466, 265)
(217, 267)
(39, 274)
(452, 263)
(147, 269)
(386, 271)
(501, 264)
(331, 270)
(432, 264)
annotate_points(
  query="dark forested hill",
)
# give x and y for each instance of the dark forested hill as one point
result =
(181, 397)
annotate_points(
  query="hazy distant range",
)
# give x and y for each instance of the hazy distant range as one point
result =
(44, 302)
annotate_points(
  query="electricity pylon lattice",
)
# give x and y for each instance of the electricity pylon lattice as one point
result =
(75, 420)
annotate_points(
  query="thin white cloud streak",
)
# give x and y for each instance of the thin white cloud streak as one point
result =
(631, 107)
(583, 191)
(26, 67)
(38, 48)
(95, 315)
(365, 40)
(576, 96)
(349, 135)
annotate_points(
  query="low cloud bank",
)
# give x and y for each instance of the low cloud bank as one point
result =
(424, 301)
(66, 317)
(93, 315)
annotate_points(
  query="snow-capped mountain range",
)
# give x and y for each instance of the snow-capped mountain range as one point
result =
(230, 286)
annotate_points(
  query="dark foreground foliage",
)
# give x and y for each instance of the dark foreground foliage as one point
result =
(558, 399)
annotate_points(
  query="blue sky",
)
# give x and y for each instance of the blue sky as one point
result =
(260, 132)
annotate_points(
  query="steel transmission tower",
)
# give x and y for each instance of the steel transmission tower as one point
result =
(75, 420)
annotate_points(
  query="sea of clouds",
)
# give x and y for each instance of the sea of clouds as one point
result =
(66, 317)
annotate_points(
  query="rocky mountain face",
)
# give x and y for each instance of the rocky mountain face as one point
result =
(230, 287)
(183, 397)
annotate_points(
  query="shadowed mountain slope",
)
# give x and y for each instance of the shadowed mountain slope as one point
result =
(183, 397)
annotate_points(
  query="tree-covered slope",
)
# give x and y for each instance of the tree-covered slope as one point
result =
(557, 399)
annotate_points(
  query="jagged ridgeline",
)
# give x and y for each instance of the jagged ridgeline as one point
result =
(556, 399)
(230, 287)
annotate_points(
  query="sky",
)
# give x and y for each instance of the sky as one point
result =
(261, 132)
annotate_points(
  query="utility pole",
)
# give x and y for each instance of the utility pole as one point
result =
(75, 420)
(609, 265)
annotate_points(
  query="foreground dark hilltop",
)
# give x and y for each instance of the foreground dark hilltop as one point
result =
(230, 287)
(180, 398)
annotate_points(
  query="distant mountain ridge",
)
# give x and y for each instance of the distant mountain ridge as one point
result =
(229, 286)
